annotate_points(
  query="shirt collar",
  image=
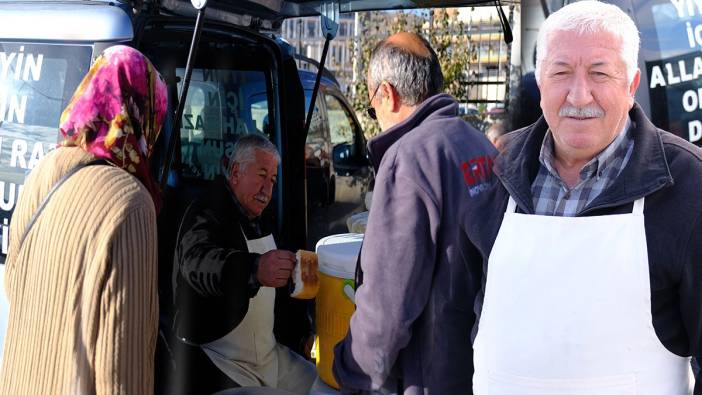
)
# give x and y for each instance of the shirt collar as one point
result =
(596, 165)
(440, 105)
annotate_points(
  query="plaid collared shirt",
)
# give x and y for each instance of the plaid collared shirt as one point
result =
(553, 197)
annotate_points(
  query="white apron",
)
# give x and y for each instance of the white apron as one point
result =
(250, 355)
(246, 354)
(567, 310)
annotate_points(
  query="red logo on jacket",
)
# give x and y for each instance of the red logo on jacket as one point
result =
(477, 170)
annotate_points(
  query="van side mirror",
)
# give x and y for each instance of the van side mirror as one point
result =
(347, 160)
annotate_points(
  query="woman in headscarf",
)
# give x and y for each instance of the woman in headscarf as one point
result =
(81, 272)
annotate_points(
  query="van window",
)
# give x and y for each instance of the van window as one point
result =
(671, 37)
(341, 125)
(221, 105)
(316, 145)
(36, 83)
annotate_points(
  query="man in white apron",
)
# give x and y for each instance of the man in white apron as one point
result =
(592, 238)
(228, 271)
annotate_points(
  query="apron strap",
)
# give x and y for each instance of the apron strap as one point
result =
(511, 206)
(243, 233)
(638, 207)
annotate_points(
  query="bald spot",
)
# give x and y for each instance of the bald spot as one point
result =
(409, 42)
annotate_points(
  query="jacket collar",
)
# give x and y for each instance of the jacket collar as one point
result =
(435, 106)
(222, 198)
(646, 172)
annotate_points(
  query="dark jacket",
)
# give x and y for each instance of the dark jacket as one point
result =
(213, 273)
(667, 171)
(410, 332)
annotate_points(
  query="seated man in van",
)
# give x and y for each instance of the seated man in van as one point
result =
(228, 267)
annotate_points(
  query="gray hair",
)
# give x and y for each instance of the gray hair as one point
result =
(588, 17)
(414, 77)
(496, 130)
(245, 150)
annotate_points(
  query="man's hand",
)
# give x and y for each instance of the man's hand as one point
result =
(275, 267)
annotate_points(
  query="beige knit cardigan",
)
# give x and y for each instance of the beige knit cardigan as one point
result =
(83, 286)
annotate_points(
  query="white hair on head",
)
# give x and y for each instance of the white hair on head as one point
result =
(245, 150)
(591, 17)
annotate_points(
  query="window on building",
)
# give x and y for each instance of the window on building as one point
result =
(311, 29)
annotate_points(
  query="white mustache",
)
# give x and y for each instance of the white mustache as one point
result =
(263, 198)
(581, 112)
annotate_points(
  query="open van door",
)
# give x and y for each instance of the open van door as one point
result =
(265, 17)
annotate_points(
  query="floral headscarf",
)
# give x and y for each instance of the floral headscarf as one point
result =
(117, 113)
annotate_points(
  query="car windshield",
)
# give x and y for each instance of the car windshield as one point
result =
(36, 82)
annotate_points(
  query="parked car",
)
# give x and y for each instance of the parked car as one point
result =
(339, 173)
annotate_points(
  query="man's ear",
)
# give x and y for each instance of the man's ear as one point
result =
(234, 174)
(635, 83)
(396, 100)
(633, 86)
(391, 97)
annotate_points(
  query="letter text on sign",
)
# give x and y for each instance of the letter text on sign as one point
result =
(18, 65)
(19, 149)
(690, 101)
(694, 129)
(7, 198)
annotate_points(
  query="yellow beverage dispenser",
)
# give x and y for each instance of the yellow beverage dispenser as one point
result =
(337, 255)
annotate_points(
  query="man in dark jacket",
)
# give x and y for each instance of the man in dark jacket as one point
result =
(592, 239)
(410, 331)
(228, 267)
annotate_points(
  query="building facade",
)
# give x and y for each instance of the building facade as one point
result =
(473, 33)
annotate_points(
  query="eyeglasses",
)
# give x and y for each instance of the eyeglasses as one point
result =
(370, 110)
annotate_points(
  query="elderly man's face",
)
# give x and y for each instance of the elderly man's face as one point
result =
(585, 94)
(253, 183)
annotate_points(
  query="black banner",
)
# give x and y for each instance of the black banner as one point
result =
(675, 91)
